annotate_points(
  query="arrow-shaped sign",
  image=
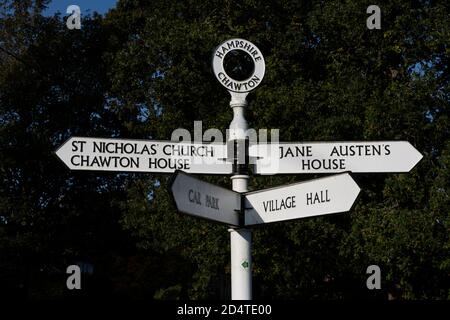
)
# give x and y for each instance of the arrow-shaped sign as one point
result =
(102, 154)
(334, 157)
(300, 200)
(205, 200)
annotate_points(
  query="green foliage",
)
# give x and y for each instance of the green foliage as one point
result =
(144, 70)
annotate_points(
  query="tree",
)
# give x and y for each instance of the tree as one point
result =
(52, 85)
(328, 78)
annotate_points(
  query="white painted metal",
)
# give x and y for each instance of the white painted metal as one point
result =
(241, 251)
(81, 153)
(241, 264)
(334, 157)
(300, 200)
(205, 200)
(238, 126)
(240, 239)
(240, 183)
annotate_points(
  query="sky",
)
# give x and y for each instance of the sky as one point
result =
(86, 6)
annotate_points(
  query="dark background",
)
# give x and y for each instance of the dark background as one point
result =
(143, 70)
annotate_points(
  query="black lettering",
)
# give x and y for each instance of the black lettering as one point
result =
(186, 164)
(72, 160)
(93, 163)
(177, 149)
(316, 164)
(342, 148)
(224, 49)
(359, 150)
(376, 150)
(387, 150)
(104, 161)
(306, 163)
(230, 45)
(134, 162)
(167, 153)
(309, 198)
(237, 86)
(209, 151)
(300, 151)
(265, 204)
(152, 163)
(216, 203)
(334, 152)
(289, 152)
(221, 75)
(194, 197)
(98, 147)
(76, 148)
(84, 161)
(145, 150)
(316, 198)
(279, 204)
(212, 202)
(124, 162)
(117, 149)
(352, 151)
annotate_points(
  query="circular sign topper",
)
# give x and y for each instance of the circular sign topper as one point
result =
(238, 65)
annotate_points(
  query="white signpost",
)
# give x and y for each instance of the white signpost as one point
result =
(233, 85)
(79, 153)
(205, 200)
(322, 196)
(334, 157)
(240, 208)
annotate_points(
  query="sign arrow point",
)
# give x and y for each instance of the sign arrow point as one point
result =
(205, 200)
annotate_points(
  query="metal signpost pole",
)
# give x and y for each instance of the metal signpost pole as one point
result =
(240, 238)
(239, 66)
